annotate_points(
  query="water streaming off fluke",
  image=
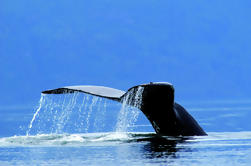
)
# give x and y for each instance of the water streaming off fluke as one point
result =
(41, 101)
(83, 113)
(129, 114)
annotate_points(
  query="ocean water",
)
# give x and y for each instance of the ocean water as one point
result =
(78, 129)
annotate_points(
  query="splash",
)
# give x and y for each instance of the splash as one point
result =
(128, 114)
(93, 103)
(41, 101)
(64, 116)
(67, 113)
(214, 139)
(83, 113)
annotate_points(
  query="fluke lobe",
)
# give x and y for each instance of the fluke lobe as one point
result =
(166, 116)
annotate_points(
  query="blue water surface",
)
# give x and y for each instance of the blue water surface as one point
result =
(226, 122)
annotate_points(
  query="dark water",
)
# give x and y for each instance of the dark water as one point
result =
(102, 142)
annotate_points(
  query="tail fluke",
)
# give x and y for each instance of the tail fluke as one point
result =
(156, 102)
(100, 91)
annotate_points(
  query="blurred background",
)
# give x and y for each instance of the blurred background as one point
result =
(201, 47)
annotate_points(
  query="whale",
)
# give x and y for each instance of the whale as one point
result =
(166, 116)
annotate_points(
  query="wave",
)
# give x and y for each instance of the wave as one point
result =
(115, 138)
(70, 139)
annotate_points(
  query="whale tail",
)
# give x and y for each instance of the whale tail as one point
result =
(157, 103)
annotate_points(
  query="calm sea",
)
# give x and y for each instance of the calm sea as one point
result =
(79, 129)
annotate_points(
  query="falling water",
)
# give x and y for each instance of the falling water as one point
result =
(83, 113)
(64, 116)
(128, 114)
(41, 101)
(67, 113)
(93, 103)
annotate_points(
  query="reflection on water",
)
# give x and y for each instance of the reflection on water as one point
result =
(230, 148)
(158, 147)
